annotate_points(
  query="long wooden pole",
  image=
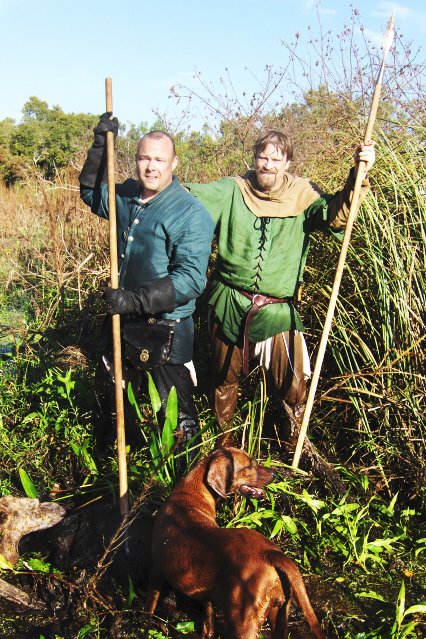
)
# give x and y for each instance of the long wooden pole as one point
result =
(343, 252)
(118, 371)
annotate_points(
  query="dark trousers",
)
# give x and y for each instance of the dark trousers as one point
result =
(176, 375)
(285, 374)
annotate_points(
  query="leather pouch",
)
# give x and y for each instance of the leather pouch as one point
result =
(147, 345)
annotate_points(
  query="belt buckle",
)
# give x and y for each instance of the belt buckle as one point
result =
(255, 297)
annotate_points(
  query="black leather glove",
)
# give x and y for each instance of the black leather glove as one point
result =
(105, 124)
(154, 297)
(93, 172)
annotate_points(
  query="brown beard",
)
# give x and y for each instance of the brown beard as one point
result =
(265, 181)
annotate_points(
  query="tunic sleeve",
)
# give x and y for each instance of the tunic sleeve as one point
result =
(190, 254)
(216, 196)
(97, 199)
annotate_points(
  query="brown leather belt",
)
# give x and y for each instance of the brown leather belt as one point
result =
(258, 301)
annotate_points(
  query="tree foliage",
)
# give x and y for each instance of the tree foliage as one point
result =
(45, 141)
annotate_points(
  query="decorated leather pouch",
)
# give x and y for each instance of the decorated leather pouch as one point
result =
(147, 345)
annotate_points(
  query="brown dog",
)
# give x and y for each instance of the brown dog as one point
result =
(237, 570)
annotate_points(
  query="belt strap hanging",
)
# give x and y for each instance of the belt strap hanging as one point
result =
(258, 301)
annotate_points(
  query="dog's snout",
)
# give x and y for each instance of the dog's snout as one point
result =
(268, 471)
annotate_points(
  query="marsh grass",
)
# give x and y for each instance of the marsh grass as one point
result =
(378, 339)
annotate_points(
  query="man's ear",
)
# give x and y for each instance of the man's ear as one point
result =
(175, 162)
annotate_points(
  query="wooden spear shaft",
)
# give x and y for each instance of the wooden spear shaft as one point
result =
(343, 252)
(116, 340)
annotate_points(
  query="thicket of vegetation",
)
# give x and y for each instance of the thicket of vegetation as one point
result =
(367, 545)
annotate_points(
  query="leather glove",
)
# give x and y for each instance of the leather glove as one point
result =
(93, 172)
(105, 124)
(154, 297)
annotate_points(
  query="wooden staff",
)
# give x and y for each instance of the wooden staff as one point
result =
(388, 39)
(118, 371)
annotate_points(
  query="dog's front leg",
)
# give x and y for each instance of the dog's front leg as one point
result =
(155, 584)
(152, 600)
(207, 631)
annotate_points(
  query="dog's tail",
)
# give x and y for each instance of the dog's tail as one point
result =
(292, 581)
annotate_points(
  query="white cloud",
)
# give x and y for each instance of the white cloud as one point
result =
(318, 5)
(399, 10)
(374, 37)
(406, 16)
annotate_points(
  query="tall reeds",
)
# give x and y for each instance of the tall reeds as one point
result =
(378, 339)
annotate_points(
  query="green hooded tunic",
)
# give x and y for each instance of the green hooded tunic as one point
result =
(263, 254)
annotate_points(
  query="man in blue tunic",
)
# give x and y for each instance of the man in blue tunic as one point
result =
(164, 242)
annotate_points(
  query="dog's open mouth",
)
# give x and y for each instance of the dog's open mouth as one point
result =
(251, 491)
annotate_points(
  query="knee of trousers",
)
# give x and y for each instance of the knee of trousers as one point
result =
(225, 401)
(286, 372)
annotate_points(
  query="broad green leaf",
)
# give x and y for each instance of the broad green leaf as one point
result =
(38, 565)
(370, 595)
(345, 508)
(315, 504)
(75, 448)
(289, 524)
(153, 394)
(5, 564)
(167, 439)
(416, 609)
(172, 407)
(153, 448)
(133, 401)
(87, 630)
(185, 627)
(132, 593)
(277, 528)
(409, 630)
(28, 486)
(391, 507)
(401, 604)
(383, 543)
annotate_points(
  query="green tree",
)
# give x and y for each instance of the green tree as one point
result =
(44, 142)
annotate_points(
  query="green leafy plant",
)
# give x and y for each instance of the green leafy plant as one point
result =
(396, 622)
(161, 441)
(27, 484)
(83, 454)
(403, 627)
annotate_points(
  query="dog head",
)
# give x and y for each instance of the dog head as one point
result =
(231, 470)
(20, 516)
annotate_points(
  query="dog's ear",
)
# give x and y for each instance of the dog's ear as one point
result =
(220, 472)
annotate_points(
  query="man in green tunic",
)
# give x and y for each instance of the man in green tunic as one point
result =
(263, 225)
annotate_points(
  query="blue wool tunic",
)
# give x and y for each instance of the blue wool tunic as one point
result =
(169, 235)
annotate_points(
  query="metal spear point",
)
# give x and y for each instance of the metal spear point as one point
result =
(387, 43)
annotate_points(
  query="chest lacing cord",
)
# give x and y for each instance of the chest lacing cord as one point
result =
(258, 300)
(260, 224)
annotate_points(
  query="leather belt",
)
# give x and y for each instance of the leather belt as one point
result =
(258, 301)
(152, 319)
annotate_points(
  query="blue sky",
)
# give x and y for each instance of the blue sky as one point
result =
(62, 51)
